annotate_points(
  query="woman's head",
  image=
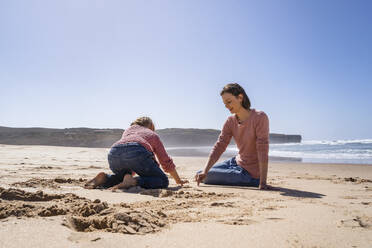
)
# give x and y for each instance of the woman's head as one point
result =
(234, 97)
(145, 122)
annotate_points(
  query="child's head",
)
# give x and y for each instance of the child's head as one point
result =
(145, 122)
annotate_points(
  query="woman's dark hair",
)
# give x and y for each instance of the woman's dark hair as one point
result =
(236, 90)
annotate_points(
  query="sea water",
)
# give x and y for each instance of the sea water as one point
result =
(315, 151)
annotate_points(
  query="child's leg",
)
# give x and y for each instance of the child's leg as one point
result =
(113, 180)
(136, 158)
(98, 180)
(117, 166)
(150, 174)
(127, 182)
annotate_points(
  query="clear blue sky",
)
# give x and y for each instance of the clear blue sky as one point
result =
(86, 63)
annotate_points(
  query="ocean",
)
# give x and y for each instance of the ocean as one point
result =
(338, 151)
(315, 151)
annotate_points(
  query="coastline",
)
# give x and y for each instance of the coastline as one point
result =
(296, 152)
(315, 205)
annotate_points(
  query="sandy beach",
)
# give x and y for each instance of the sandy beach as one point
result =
(43, 204)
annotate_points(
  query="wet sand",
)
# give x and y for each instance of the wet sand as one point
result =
(43, 204)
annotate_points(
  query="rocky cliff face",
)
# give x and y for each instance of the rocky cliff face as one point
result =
(276, 138)
(207, 137)
(88, 137)
(80, 137)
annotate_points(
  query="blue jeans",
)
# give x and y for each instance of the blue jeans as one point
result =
(230, 173)
(133, 157)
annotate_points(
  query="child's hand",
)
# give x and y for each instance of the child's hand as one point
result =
(182, 182)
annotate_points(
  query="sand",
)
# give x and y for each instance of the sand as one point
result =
(43, 204)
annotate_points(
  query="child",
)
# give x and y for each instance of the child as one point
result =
(134, 153)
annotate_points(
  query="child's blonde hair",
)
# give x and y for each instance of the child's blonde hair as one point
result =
(144, 121)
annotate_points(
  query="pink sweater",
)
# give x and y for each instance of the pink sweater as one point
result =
(151, 141)
(251, 137)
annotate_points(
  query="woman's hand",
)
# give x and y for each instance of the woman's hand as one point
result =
(264, 186)
(200, 177)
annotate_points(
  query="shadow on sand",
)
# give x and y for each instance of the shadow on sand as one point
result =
(283, 191)
(297, 193)
(152, 192)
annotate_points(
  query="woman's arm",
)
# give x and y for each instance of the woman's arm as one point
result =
(220, 146)
(262, 146)
(263, 175)
(201, 176)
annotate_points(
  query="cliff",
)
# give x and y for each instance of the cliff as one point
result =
(89, 137)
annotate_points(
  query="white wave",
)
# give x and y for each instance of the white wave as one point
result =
(335, 142)
(351, 151)
(286, 144)
(312, 155)
(188, 147)
(325, 142)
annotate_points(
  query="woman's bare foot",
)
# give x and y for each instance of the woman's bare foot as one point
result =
(96, 181)
(128, 181)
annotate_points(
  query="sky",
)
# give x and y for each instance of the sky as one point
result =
(102, 64)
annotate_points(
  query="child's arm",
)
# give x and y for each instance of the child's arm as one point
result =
(177, 178)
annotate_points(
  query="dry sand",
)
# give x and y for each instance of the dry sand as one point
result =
(43, 204)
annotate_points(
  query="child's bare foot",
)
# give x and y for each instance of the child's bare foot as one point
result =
(96, 181)
(128, 181)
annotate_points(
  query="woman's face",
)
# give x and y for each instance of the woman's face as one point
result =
(232, 103)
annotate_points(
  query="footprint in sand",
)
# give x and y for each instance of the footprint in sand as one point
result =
(222, 204)
(184, 194)
(357, 222)
(49, 183)
(237, 221)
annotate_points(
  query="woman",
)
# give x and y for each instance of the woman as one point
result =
(134, 153)
(250, 129)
